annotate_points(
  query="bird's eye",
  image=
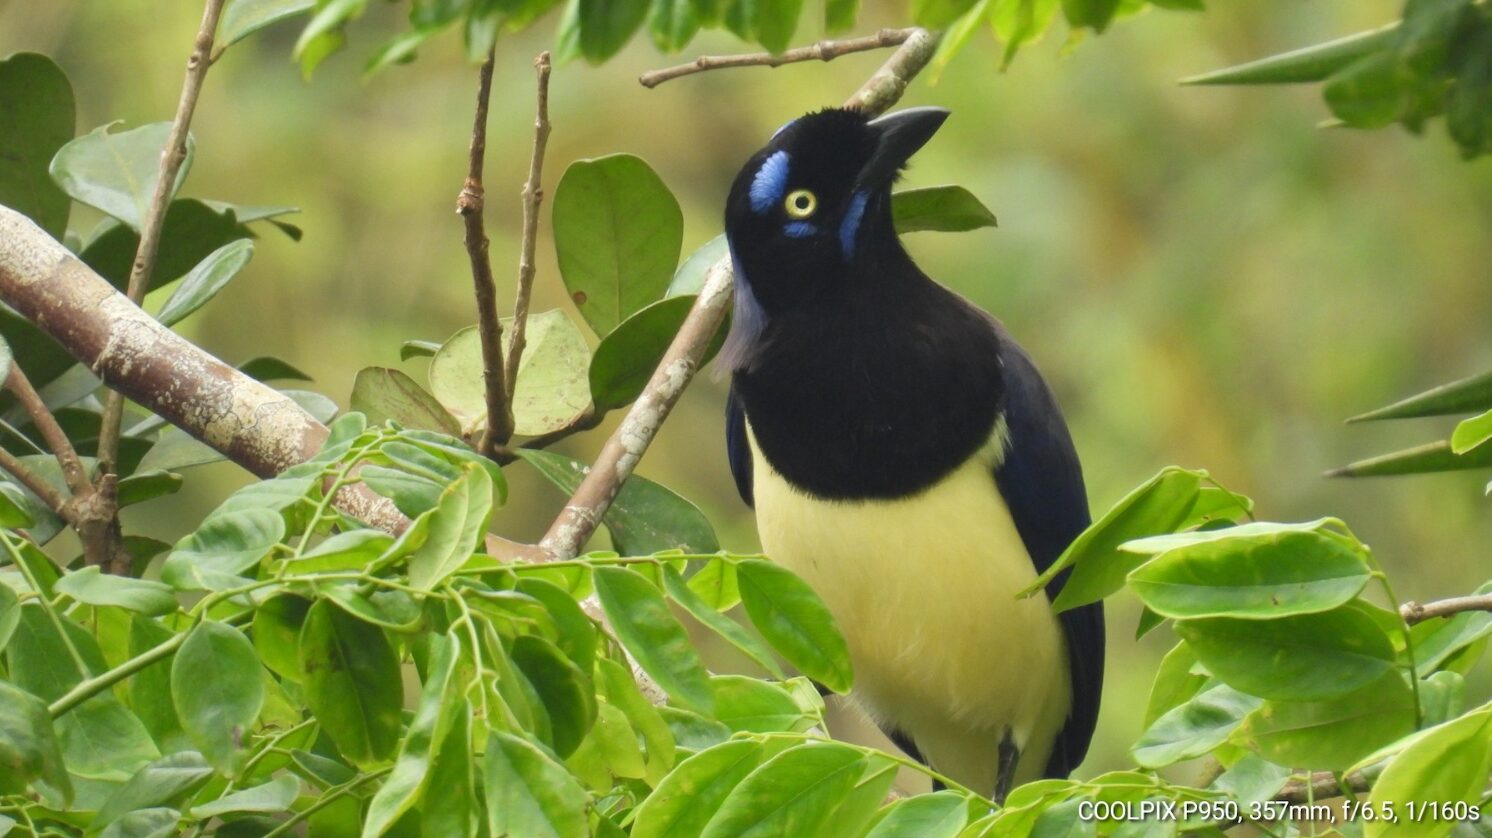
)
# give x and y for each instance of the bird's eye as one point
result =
(800, 203)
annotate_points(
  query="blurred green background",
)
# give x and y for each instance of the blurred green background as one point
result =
(1205, 276)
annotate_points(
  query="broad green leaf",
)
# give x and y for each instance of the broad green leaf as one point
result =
(853, 815)
(1261, 577)
(604, 27)
(1449, 763)
(175, 450)
(1437, 641)
(691, 275)
(1019, 22)
(839, 15)
(89, 586)
(15, 509)
(36, 101)
(204, 281)
(322, 35)
(224, 546)
(117, 173)
(1194, 727)
(750, 705)
(102, 740)
(155, 822)
(1307, 64)
(621, 691)
(1421, 459)
(1174, 683)
(439, 698)
(722, 625)
(672, 23)
(692, 793)
(715, 583)
(952, 209)
(1306, 657)
(393, 610)
(1099, 568)
(147, 485)
(793, 793)
(1441, 697)
(270, 368)
(148, 691)
(645, 518)
(1368, 93)
(164, 782)
(352, 550)
(1252, 779)
(627, 357)
(454, 811)
(218, 690)
(10, 614)
(642, 621)
(1093, 14)
(352, 683)
(1467, 395)
(246, 214)
(956, 36)
(191, 232)
(1333, 734)
(455, 531)
(939, 815)
(795, 621)
(552, 388)
(1471, 433)
(276, 631)
(39, 662)
(418, 349)
(568, 695)
(617, 229)
(939, 14)
(577, 631)
(530, 794)
(691, 731)
(777, 22)
(243, 18)
(413, 494)
(274, 796)
(1468, 105)
(383, 394)
(28, 743)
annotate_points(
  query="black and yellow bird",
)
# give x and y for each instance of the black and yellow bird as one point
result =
(905, 458)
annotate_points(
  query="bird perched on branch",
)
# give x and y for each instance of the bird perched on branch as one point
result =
(906, 459)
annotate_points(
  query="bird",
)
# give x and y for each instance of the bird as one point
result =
(906, 459)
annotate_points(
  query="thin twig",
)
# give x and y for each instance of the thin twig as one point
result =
(1414, 612)
(619, 456)
(73, 472)
(533, 194)
(469, 205)
(821, 51)
(1323, 785)
(589, 418)
(31, 480)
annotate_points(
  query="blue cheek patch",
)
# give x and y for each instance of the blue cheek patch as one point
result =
(770, 183)
(850, 226)
(800, 229)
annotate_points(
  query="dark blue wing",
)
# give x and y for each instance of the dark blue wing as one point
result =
(1041, 481)
(737, 449)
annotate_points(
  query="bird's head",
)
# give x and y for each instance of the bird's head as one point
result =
(817, 199)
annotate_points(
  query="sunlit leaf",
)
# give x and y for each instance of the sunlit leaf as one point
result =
(1193, 727)
(218, 690)
(644, 624)
(793, 793)
(552, 387)
(796, 622)
(627, 357)
(1448, 764)
(692, 793)
(1332, 735)
(385, 394)
(243, 18)
(1307, 64)
(88, 585)
(117, 172)
(455, 530)
(530, 794)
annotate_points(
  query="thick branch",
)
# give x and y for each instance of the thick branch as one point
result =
(821, 51)
(73, 472)
(582, 514)
(1323, 785)
(1414, 612)
(469, 205)
(533, 194)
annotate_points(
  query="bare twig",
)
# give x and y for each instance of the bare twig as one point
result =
(1323, 785)
(1414, 612)
(589, 418)
(582, 514)
(469, 205)
(533, 194)
(31, 480)
(73, 472)
(821, 51)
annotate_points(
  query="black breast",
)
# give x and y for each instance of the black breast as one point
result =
(875, 393)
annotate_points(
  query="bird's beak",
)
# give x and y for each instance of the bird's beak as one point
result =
(899, 136)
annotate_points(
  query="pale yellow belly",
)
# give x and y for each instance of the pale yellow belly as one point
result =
(924, 591)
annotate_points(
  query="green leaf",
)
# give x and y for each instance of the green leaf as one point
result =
(1468, 106)
(89, 586)
(243, 18)
(750, 705)
(722, 625)
(224, 546)
(352, 550)
(776, 23)
(1307, 657)
(793, 793)
(148, 692)
(853, 815)
(1441, 696)
(418, 349)
(147, 485)
(617, 230)
(577, 632)
(605, 26)
(394, 610)
(1449, 763)
(117, 173)
(795, 621)
(1252, 780)
(939, 14)
(1260, 577)
(10, 614)
(1175, 682)
(716, 585)
(203, 282)
(627, 357)
(621, 691)
(40, 662)
(644, 624)
(839, 15)
(164, 782)
(1332, 735)
(1368, 93)
(1307, 64)
(1468, 395)
(274, 796)
(218, 691)
(938, 815)
(690, 277)
(1471, 433)
(101, 740)
(692, 793)
(672, 23)
(1194, 727)
(952, 209)
(323, 33)
(551, 389)
(1093, 14)
(1422, 459)
(37, 101)
(385, 394)
(645, 518)
(1019, 22)
(352, 683)
(456, 529)
(440, 696)
(191, 232)
(1438, 641)
(567, 693)
(454, 811)
(530, 794)
(28, 743)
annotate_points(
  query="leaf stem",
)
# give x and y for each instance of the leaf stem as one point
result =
(46, 605)
(821, 51)
(331, 796)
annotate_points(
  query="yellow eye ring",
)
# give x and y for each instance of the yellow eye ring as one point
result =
(800, 203)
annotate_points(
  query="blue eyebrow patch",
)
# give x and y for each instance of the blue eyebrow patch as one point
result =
(850, 226)
(770, 183)
(800, 229)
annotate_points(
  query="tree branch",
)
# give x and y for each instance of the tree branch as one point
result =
(821, 51)
(73, 472)
(533, 194)
(39, 487)
(469, 205)
(1414, 612)
(1323, 785)
(619, 456)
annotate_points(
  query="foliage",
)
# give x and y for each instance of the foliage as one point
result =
(1467, 447)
